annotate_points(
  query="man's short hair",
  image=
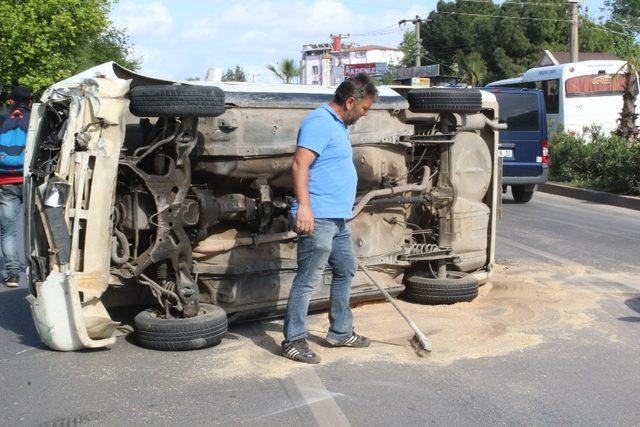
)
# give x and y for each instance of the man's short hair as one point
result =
(358, 86)
(20, 94)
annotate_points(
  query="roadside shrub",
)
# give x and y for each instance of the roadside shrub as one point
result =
(564, 151)
(596, 161)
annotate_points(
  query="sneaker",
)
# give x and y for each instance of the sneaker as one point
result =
(299, 351)
(12, 283)
(354, 340)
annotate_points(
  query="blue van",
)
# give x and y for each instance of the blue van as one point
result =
(523, 145)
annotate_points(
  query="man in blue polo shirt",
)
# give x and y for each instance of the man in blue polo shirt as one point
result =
(324, 181)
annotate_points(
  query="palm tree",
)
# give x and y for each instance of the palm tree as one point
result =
(472, 67)
(627, 123)
(286, 70)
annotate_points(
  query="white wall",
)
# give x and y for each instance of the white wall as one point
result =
(308, 77)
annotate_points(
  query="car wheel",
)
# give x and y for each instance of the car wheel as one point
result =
(423, 288)
(521, 194)
(205, 330)
(176, 101)
(444, 100)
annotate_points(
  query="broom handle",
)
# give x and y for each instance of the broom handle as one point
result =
(426, 344)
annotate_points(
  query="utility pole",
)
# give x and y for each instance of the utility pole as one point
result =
(415, 22)
(573, 29)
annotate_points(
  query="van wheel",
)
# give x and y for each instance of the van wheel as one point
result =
(444, 100)
(423, 288)
(176, 101)
(521, 193)
(204, 330)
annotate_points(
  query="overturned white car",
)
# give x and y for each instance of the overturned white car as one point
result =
(173, 195)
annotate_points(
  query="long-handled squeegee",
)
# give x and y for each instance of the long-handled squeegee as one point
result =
(419, 340)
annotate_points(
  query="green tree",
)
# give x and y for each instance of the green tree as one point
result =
(408, 48)
(471, 67)
(111, 45)
(623, 27)
(43, 41)
(286, 71)
(234, 75)
(625, 12)
(390, 75)
(509, 37)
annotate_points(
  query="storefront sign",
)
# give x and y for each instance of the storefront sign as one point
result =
(373, 69)
(423, 71)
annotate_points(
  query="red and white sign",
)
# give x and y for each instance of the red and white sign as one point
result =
(353, 69)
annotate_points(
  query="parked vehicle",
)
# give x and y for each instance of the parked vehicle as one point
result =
(176, 195)
(523, 145)
(577, 94)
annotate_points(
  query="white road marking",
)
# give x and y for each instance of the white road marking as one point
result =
(296, 405)
(624, 280)
(38, 347)
(538, 252)
(316, 397)
(320, 401)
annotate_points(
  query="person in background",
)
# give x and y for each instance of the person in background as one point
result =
(13, 131)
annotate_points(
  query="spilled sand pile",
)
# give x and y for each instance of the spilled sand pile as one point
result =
(519, 308)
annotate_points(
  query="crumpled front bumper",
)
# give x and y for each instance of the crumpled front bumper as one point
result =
(62, 321)
(67, 288)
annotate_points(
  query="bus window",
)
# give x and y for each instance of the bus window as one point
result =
(594, 85)
(519, 111)
(551, 94)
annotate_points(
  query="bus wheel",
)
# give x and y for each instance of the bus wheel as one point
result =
(522, 193)
(444, 100)
(153, 330)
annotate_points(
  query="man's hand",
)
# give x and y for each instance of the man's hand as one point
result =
(304, 220)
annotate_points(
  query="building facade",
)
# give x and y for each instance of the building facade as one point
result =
(328, 64)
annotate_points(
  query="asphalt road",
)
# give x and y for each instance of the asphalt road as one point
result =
(568, 356)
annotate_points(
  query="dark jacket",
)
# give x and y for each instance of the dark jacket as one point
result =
(17, 117)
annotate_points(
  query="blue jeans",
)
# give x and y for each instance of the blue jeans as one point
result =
(329, 243)
(10, 201)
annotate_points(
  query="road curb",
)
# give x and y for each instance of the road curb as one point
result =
(628, 202)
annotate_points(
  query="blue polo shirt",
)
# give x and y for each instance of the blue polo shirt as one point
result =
(332, 175)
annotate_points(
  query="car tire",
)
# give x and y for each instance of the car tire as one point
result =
(521, 194)
(423, 288)
(445, 100)
(157, 333)
(176, 101)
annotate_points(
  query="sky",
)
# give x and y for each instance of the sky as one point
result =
(182, 39)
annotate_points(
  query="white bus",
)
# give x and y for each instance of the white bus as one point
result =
(577, 94)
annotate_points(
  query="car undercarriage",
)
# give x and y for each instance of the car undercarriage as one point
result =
(176, 196)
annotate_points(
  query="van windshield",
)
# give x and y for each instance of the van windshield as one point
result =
(518, 110)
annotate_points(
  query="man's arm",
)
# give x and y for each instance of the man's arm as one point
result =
(302, 160)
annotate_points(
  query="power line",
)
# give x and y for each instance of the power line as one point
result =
(626, 25)
(372, 32)
(505, 16)
(397, 30)
(523, 3)
(418, 41)
(450, 49)
(437, 62)
(605, 29)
